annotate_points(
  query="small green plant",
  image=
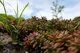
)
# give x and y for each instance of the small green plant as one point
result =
(10, 23)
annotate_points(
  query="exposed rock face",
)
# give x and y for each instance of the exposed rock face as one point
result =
(5, 38)
(7, 47)
(11, 48)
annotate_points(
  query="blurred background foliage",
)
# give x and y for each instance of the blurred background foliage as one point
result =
(34, 33)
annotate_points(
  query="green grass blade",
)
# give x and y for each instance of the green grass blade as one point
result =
(24, 9)
(17, 11)
(3, 6)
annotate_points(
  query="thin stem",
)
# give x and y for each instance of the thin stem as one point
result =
(24, 9)
(3, 6)
(17, 11)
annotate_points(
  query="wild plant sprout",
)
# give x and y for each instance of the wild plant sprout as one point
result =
(5, 20)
